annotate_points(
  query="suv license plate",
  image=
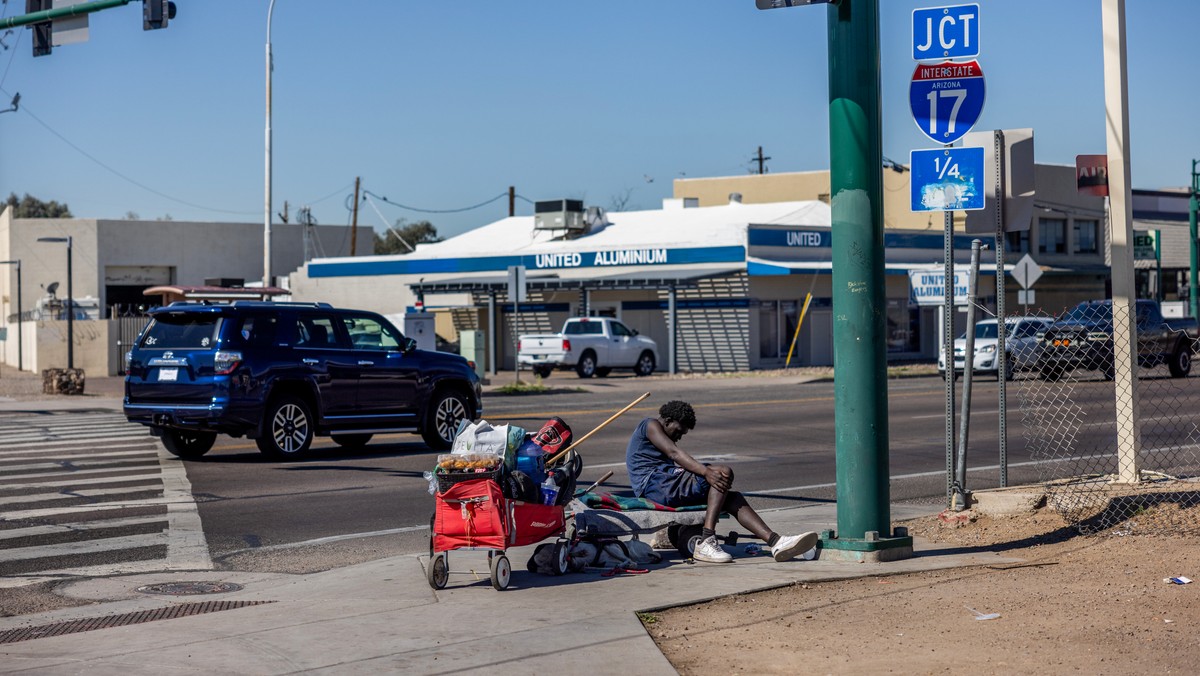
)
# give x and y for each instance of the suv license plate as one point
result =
(168, 375)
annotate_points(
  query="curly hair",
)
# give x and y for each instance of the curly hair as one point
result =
(679, 411)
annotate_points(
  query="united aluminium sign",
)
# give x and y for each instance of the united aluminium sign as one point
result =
(648, 256)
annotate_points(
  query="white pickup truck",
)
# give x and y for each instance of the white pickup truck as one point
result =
(593, 346)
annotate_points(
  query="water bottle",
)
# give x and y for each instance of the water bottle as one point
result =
(549, 491)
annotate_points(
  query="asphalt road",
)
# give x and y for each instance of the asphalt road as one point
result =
(778, 434)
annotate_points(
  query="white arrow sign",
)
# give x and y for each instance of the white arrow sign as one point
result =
(1026, 272)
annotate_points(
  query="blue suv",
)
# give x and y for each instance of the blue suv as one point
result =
(283, 373)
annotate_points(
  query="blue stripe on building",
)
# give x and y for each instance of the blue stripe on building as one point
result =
(548, 261)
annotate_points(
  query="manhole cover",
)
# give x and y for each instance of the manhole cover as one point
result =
(189, 588)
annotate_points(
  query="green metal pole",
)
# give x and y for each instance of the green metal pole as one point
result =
(1193, 282)
(60, 13)
(859, 295)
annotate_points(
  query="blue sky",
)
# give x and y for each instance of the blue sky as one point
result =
(443, 105)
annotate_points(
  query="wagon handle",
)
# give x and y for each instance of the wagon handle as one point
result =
(616, 415)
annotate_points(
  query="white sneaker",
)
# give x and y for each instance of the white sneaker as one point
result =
(709, 551)
(789, 546)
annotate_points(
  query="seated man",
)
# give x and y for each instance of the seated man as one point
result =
(664, 473)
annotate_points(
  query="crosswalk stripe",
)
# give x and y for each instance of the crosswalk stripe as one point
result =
(97, 457)
(84, 526)
(83, 509)
(88, 482)
(82, 547)
(75, 495)
(100, 446)
(44, 439)
(61, 473)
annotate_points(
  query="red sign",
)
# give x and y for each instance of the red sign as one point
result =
(1091, 174)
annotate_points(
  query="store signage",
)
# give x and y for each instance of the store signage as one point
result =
(1091, 174)
(1144, 248)
(928, 287)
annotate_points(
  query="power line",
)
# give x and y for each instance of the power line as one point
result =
(435, 211)
(118, 174)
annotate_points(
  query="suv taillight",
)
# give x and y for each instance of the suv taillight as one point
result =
(225, 362)
(518, 346)
(566, 345)
(128, 360)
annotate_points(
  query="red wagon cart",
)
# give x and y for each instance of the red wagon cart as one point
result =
(475, 515)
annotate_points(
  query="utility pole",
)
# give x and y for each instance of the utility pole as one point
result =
(859, 300)
(512, 201)
(762, 168)
(1193, 208)
(354, 223)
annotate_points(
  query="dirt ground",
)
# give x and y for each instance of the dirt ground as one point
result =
(1094, 604)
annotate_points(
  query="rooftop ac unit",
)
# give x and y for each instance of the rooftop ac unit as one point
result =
(558, 215)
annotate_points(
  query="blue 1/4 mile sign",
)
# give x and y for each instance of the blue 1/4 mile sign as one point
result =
(946, 99)
(946, 32)
(947, 179)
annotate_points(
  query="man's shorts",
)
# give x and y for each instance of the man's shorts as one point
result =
(676, 488)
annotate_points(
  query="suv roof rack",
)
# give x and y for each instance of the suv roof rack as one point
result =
(272, 303)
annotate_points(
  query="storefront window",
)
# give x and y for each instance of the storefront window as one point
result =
(1085, 236)
(1018, 241)
(903, 327)
(1052, 235)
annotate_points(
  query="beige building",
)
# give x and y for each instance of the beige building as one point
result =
(113, 262)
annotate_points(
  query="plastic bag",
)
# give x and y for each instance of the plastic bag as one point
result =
(481, 438)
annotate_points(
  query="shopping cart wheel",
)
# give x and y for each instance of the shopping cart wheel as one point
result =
(561, 558)
(501, 572)
(439, 571)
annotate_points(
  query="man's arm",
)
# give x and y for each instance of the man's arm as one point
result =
(658, 436)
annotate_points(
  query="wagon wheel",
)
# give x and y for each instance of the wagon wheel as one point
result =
(688, 538)
(560, 558)
(439, 571)
(501, 572)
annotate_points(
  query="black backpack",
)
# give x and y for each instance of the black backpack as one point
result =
(518, 485)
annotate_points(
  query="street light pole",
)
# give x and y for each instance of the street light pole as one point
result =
(70, 301)
(267, 187)
(20, 341)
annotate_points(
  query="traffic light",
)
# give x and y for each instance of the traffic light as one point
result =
(155, 14)
(41, 30)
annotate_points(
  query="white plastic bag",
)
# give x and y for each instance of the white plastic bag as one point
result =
(481, 438)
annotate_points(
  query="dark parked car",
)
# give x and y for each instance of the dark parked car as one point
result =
(283, 373)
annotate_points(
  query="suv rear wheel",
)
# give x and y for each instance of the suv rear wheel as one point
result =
(446, 409)
(289, 429)
(187, 444)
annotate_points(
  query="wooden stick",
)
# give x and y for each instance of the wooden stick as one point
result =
(602, 480)
(599, 427)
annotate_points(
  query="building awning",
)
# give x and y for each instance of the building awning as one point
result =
(653, 278)
(756, 267)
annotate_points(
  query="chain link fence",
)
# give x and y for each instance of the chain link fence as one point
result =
(1113, 456)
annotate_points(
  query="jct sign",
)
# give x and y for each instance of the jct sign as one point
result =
(946, 32)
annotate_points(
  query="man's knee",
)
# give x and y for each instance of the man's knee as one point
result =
(725, 471)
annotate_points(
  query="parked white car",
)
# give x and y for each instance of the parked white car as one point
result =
(593, 346)
(1020, 340)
